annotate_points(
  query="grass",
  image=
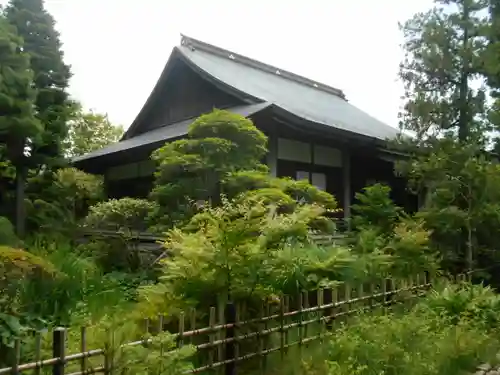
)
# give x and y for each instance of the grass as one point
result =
(438, 336)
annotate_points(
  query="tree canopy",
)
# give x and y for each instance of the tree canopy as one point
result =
(90, 131)
(51, 77)
(19, 128)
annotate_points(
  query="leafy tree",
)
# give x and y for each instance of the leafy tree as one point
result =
(16, 266)
(18, 126)
(51, 77)
(192, 169)
(7, 233)
(491, 65)
(243, 251)
(222, 155)
(444, 49)
(56, 201)
(375, 209)
(123, 215)
(381, 227)
(90, 131)
(462, 210)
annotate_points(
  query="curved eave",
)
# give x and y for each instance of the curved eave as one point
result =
(321, 129)
(175, 56)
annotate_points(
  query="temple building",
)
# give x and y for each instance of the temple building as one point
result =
(314, 132)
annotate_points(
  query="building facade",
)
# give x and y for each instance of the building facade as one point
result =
(314, 133)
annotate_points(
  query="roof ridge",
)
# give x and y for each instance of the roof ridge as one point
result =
(197, 44)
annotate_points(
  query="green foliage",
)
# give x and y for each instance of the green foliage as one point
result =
(381, 227)
(58, 200)
(191, 170)
(17, 123)
(80, 286)
(447, 51)
(412, 250)
(51, 76)
(240, 251)
(18, 126)
(286, 192)
(447, 332)
(249, 250)
(123, 215)
(7, 234)
(222, 156)
(413, 343)
(461, 208)
(112, 332)
(444, 49)
(476, 304)
(16, 267)
(151, 359)
(90, 131)
(375, 209)
(126, 216)
(247, 143)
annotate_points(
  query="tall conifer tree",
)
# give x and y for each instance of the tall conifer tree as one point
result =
(446, 106)
(51, 77)
(444, 50)
(18, 125)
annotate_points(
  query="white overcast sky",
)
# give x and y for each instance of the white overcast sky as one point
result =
(117, 48)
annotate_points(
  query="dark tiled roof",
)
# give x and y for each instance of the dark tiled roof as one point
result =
(164, 133)
(300, 96)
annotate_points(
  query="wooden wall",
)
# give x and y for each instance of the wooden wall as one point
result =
(186, 95)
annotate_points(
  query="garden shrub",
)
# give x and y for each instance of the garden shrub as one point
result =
(410, 344)
(16, 267)
(451, 331)
(477, 304)
(126, 215)
(56, 201)
(112, 331)
(7, 233)
(374, 208)
(240, 251)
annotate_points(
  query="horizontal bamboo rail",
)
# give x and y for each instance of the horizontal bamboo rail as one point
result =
(233, 337)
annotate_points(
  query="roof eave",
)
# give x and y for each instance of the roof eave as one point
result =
(178, 55)
(320, 127)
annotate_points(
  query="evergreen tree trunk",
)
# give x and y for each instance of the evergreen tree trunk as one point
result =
(20, 206)
(463, 119)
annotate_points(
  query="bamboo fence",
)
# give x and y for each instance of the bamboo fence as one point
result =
(233, 334)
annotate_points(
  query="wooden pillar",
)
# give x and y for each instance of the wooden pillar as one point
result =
(311, 166)
(346, 179)
(272, 155)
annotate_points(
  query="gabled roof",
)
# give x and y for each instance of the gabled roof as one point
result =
(300, 96)
(261, 86)
(163, 134)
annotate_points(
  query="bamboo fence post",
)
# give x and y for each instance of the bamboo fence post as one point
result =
(300, 326)
(17, 357)
(181, 329)
(162, 348)
(221, 333)
(229, 357)
(83, 348)
(287, 308)
(192, 325)
(211, 337)
(306, 306)
(59, 350)
(38, 352)
(265, 312)
(321, 320)
(282, 328)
